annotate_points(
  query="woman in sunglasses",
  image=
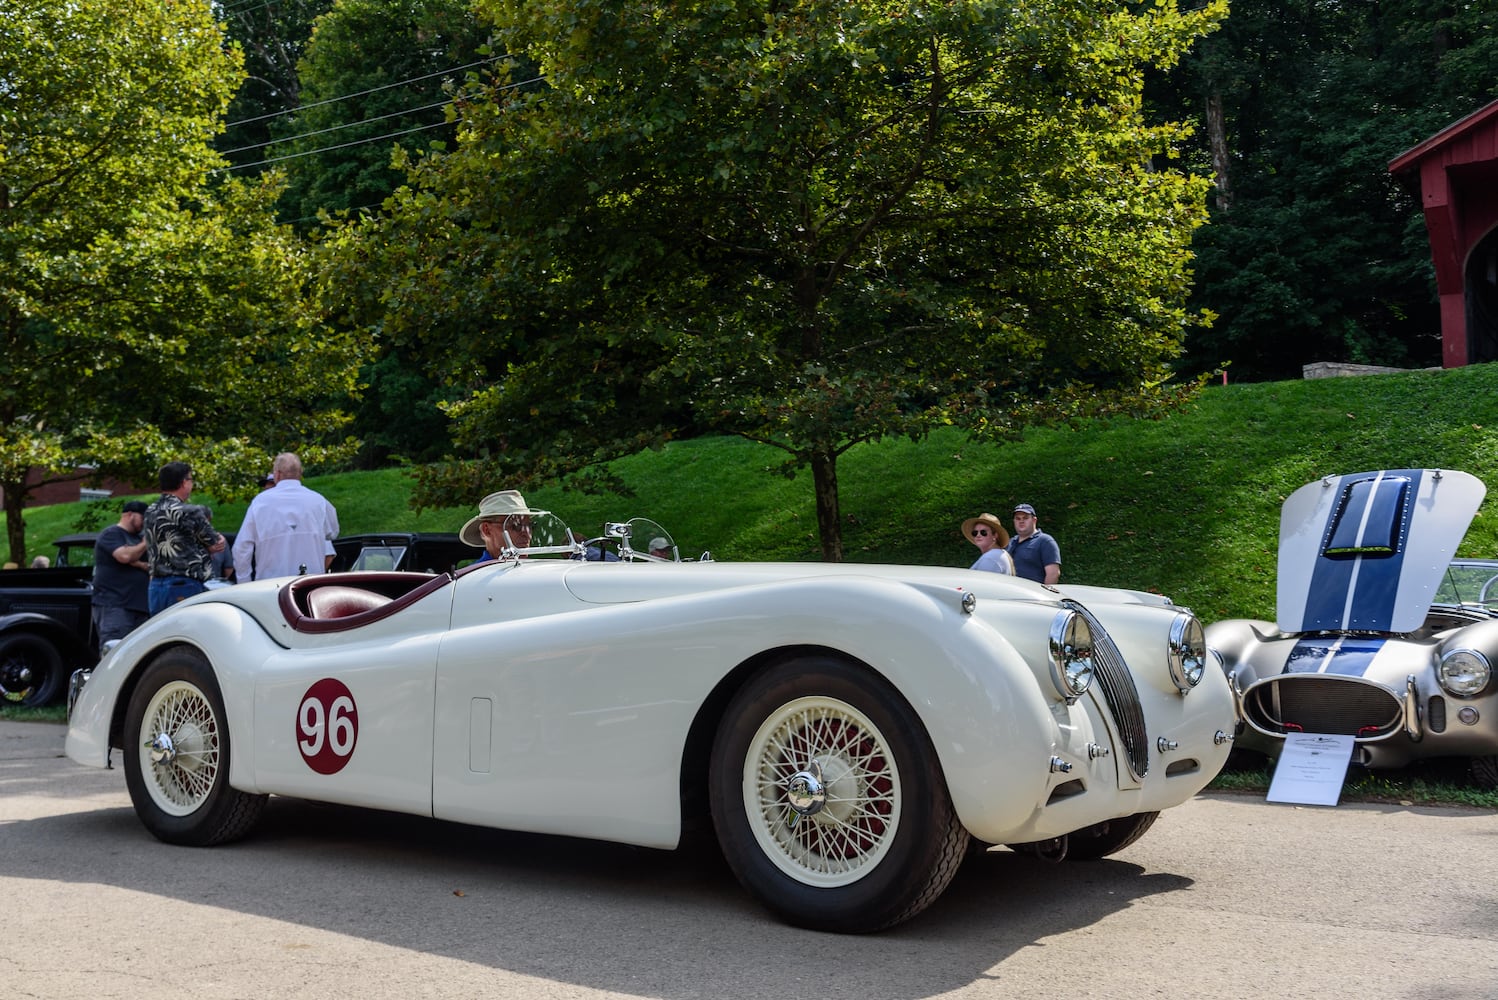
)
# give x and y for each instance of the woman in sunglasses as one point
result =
(989, 535)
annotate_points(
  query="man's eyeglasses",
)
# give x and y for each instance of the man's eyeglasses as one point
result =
(979, 531)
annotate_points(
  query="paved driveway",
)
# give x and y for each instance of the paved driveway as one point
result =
(1226, 897)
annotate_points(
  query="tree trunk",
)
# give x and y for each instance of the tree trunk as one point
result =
(829, 527)
(15, 524)
(1217, 140)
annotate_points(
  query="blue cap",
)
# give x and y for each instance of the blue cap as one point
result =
(1025, 508)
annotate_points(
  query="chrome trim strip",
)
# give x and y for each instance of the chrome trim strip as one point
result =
(1113, 678)
(1412, 727)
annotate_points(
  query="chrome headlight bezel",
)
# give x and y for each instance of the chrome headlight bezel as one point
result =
(1463, 673)
(1186, 652)
(1072, 665)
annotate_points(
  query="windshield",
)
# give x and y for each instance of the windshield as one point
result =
(643, 540)
(539, 533)
(1470, 581)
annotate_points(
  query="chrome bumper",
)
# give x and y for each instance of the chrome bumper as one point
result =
(75, 687)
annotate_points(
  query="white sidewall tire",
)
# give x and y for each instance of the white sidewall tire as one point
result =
(851, 835)
(915, 846)
(186, 798)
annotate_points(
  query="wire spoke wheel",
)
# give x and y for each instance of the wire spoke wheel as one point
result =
(829, 800)
(180, 748)
(178, 753)
(848, 825)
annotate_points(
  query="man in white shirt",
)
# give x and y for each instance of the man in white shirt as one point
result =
(288, 530)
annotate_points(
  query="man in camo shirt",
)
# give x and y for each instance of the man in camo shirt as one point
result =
(180, 540)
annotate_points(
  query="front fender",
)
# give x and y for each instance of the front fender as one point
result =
(97, 722)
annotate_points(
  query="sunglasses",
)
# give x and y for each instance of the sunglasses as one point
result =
(980, 531)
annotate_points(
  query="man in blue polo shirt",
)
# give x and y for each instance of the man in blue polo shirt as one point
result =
(1036, 555)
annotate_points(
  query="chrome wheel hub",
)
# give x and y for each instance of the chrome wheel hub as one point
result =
(805, 792)
(163, 750)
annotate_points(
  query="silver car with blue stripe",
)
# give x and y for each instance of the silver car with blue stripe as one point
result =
(1379, 633)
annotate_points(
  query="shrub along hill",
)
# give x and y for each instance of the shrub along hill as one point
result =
(1187, 506)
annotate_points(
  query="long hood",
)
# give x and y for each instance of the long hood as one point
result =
(1366, 551)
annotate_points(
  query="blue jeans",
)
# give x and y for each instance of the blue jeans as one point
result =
(116, 623)
(168, 590)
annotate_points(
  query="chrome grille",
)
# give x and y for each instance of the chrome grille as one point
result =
(1117, 684)
(1323, 703)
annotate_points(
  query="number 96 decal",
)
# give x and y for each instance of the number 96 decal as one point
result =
(327, 726)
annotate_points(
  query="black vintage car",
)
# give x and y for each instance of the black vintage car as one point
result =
(46, 626)
(417, 552)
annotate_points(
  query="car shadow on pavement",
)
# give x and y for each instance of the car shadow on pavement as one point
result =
(668, 924)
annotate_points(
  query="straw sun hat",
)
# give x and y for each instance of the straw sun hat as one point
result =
(494, 507)
(993, 525)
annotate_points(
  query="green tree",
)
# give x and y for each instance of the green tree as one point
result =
(807, 224)
(271, 35)
(376, 74)
(1314, 253)
(145, 312)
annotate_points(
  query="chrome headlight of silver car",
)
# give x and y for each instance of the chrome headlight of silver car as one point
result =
(1071, 655)
(1463, 672)
(1186, 652)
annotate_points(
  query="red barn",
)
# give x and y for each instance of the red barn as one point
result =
(1457, 173)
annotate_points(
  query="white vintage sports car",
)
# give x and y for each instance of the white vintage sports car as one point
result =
(848, 728)
(1379, 634)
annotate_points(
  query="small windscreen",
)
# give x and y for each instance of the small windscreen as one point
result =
(380, 557)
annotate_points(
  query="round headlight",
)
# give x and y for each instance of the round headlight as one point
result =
(1071, 655)
(1464, 672)
(1186, 652)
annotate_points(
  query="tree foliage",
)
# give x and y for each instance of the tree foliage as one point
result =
(1314, 253)
(376, 74)
(145, 312)
(807, 224)
(270, 35)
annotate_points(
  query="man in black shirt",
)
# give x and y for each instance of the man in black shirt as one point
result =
(121, 575)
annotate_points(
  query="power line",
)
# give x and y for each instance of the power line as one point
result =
(335, 128)
(356, 142)
(239, 10)
(362, 93)
(328, 149)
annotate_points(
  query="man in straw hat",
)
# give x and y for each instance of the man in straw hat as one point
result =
(989, 535)
(503, 521)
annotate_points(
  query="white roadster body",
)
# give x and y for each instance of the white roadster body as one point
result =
(847, 727)
(1379, 634)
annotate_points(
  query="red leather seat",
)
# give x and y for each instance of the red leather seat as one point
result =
(342, 602)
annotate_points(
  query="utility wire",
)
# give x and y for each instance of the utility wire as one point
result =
(362, 93)
(328, 149)
(335, 128)
(239, 10)
(356, 142)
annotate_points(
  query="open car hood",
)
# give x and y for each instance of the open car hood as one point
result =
(1366, 551)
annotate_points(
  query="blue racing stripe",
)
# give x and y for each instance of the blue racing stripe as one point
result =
(1375, 575)
(1348, 657)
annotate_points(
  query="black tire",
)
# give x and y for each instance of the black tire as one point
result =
(1485, 771)
(177, 713)
(1109, 837)
(31, 670)
(886, 840)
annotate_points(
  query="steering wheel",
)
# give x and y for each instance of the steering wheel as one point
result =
(1482, 597)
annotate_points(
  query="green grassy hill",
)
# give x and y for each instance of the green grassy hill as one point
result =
(1187, 506)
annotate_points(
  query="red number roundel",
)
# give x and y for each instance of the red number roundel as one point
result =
(327, 726)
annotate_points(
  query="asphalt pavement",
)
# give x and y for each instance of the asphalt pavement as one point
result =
(1227, 896)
